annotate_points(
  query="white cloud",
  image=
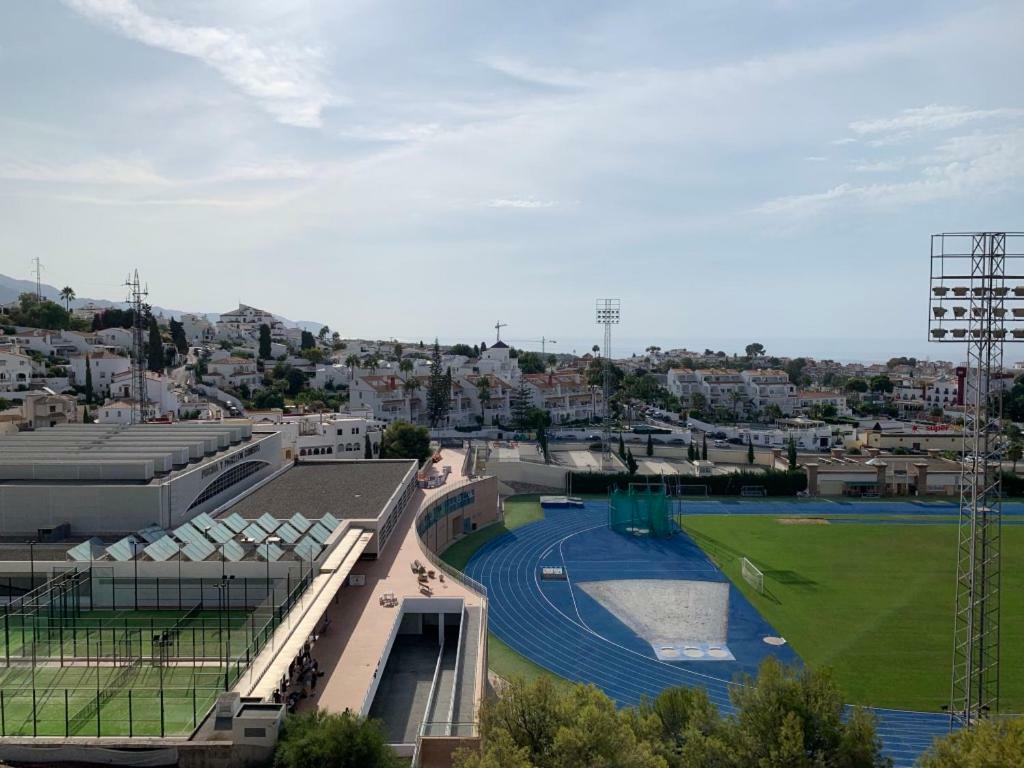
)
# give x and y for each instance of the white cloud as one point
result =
(520, 203)
(933, 117)
(101, 170)
(284, 79)
(816, 159)
(882, 166)
(963, 166)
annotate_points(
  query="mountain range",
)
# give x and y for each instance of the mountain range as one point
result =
(11, 288)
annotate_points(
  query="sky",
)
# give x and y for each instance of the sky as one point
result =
(732, 170)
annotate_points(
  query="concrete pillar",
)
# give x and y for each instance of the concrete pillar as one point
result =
(776, 456)
(812, 478)
(838, 453)
(922, 477)
(881, 467)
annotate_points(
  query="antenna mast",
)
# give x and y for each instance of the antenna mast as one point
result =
(136, 295)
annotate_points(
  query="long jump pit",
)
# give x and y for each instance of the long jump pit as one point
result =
(683, 620)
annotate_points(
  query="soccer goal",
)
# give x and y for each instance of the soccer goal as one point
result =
(753, 575)
(753, 490)
(692, 490)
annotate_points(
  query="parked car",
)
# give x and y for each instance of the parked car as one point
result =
(677, 441)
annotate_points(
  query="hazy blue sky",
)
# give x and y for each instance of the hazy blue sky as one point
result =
(732, 169)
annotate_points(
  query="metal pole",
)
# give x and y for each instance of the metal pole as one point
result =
(32, 565)
(135, 559)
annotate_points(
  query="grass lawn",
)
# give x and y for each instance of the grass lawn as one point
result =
(873, 602)
(519, 510)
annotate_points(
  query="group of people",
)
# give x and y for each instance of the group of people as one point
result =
(303, 674)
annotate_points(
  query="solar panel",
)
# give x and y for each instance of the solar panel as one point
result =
(92, 549)
(300, 522)
(152, 533)
(319, 532)
(198, 550)
(233, 551)
(287, 534)
(270, 552)
(203, 520)
(162, 549)
(308, 548)
(188, 533)
(123, 549)
(330, 521)
(235, 522)
(268, 522)
(255, 532)
(220, 533)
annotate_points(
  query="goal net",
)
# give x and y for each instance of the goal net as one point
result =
(753, 575)
(753, 490)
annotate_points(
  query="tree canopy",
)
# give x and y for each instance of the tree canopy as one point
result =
(784, 717)
(987, 744)
(403, 440)
(318, 738)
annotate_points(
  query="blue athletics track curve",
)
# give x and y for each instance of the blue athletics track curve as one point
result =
(558, 626)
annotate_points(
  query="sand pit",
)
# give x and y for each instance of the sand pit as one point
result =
(667, 612)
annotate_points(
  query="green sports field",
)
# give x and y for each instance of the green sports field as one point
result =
(873, 600)
(52, 684)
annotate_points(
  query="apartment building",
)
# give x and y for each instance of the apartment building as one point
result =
(769, 386)
(104, 366)
(811, 400)
(565, 395)
(16, 370)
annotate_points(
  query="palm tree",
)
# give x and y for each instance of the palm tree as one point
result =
(484, 393)
(405, 367)
(67, 294)
(371, 363)
(352, 361)
(595, 349)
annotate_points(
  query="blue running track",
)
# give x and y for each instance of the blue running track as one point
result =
(559, 627)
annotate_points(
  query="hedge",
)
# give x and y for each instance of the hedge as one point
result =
(775, 482)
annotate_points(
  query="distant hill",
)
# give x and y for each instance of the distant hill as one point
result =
(11, 288)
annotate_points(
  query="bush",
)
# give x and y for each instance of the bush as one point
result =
(315, 739)
(595, 447)
(775, 482)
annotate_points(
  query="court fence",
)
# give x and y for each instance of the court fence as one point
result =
(74, 670)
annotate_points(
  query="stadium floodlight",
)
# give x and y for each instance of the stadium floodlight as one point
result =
(976, 297)
(608, 313)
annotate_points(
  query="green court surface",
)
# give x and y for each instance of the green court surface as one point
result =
(872, 600)
(89, 634)
(106, 700)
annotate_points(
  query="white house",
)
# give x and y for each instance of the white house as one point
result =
(810, 400)
(15, 370)
(245, 321)
(104, 365)
(118, 339)
(224, 369)
(198, 329)
(495, 359)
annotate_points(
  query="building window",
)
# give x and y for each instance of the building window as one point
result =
(226, 480)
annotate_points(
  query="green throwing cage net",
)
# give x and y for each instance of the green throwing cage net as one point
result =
(640, 512)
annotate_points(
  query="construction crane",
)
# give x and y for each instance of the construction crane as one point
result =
(497, 330)
(543, 341)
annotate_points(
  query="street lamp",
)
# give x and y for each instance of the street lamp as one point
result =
(135, 559)
(32, 564)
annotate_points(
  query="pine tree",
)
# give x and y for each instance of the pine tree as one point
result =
(178, 337)
(522, 403)
(438, 390)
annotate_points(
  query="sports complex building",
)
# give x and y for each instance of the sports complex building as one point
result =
(167, 587)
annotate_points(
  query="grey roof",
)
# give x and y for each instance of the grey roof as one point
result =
(344, 489)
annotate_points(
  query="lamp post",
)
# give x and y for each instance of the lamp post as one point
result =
(135, 559)
(32, 565)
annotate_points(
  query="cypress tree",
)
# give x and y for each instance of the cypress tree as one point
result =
(750, 450)
(650, 445)
(88, 380)
(704, 448)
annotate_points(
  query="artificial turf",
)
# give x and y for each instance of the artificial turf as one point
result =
(872, 601)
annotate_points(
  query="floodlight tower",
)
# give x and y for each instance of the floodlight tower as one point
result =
(607, 315)
(977, 298)
(136, 297)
